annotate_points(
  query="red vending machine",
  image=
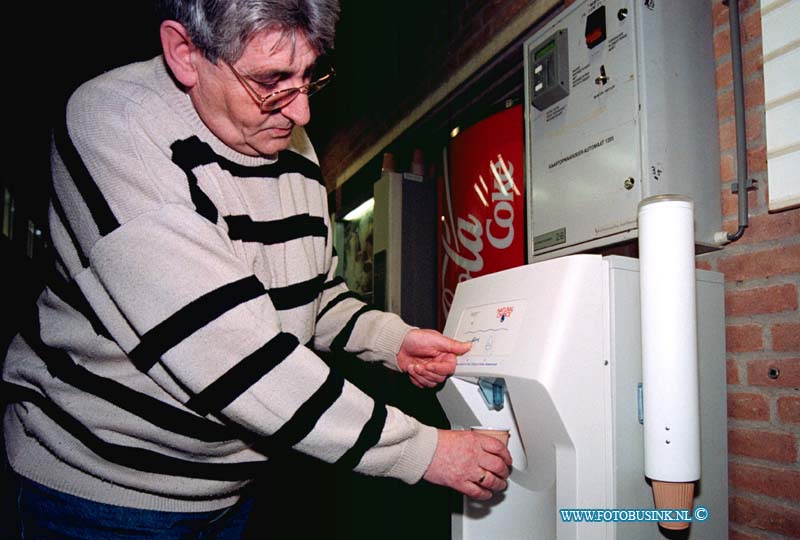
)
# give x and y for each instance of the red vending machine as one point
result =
(481, 204)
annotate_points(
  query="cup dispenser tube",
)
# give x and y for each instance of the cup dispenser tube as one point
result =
(669, 350)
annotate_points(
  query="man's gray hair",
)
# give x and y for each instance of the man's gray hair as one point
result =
(221, 29)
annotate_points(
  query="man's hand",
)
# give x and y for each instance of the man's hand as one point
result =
(473, 464)
(429, 357)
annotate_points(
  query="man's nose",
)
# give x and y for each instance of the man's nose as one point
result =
(298, 111)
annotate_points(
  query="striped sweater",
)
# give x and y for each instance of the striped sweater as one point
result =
(172, 352)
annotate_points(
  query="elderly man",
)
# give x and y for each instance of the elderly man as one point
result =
(173, 352)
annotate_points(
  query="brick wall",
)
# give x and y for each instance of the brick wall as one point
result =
(762, 278)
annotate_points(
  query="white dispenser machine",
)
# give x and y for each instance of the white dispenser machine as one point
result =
(557, 359)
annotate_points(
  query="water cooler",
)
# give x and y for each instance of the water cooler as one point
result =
(564, 335)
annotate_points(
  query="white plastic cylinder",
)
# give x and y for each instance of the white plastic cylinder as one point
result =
(669, 339)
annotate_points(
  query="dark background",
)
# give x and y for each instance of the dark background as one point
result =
(50, 50)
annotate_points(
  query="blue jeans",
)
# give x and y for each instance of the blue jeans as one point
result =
(46, 514)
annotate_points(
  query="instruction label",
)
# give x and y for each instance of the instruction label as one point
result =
(493, 330)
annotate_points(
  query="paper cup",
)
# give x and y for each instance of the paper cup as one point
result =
(673, 495)
(501, 435)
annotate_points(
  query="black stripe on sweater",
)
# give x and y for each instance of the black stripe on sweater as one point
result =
(134, 458)
(338, 280)
(98, 207)
(66, 289)
(341, 297)
(369, 437)
(58, 208)
(191, 318)
(296, 295)
(187, 155)
(340, 341)
(277, 231)
(154, 411)
(71, 294)
(308, 414)
(194, 153)
(287, 162)
(243, 375)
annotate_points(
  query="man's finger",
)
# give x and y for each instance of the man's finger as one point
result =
(444, 369)
(421, 374)
(458, 347)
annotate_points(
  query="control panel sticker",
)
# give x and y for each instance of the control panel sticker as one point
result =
(493, 330)
(550, 239)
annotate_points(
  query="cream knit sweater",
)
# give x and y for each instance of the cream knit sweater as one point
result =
(170, 354)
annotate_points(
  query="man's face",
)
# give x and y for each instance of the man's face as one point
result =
(271, 62)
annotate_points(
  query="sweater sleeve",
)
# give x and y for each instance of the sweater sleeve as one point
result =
(182, 301)
(347, 323)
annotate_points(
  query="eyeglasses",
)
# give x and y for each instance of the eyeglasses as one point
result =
(281, 98)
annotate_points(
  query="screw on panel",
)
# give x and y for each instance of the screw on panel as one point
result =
(629, 183)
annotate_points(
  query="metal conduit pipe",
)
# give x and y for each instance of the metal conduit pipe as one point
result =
(743, 183)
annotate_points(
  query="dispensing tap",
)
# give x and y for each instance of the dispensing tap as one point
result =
(493, 390)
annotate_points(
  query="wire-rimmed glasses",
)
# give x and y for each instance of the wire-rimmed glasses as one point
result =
(281, 98)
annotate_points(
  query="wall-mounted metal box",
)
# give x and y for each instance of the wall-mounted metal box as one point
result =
(629, 111)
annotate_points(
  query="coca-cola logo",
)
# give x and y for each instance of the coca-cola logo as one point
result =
(464, 244)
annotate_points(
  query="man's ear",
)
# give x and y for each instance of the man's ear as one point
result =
(179, 52)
